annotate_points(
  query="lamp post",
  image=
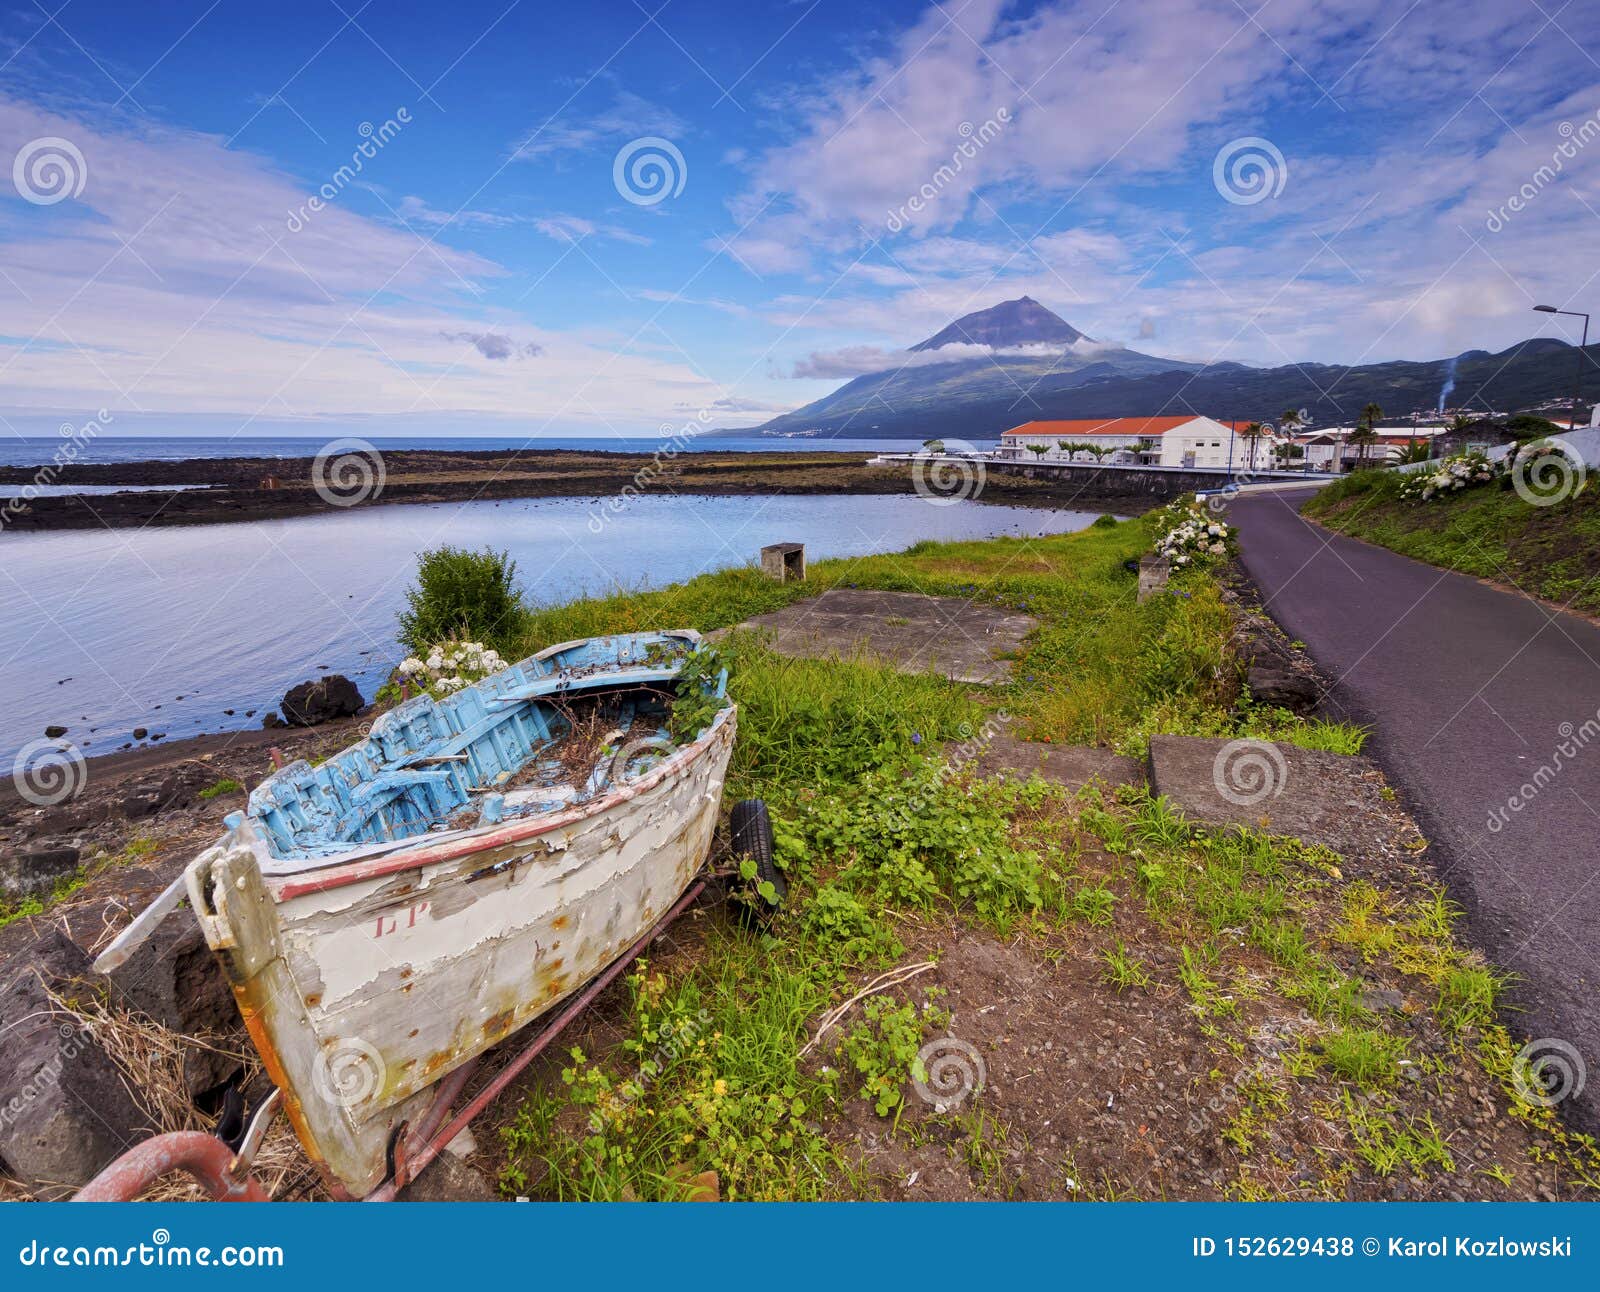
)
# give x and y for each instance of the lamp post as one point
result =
(1577, 385)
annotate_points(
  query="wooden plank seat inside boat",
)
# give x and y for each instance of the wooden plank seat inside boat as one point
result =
(475, 757)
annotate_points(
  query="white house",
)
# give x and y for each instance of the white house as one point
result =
(1331, 450)
(1152, 441)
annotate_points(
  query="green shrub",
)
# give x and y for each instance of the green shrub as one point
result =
(463, 595)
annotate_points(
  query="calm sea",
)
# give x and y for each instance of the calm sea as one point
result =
(167, 629)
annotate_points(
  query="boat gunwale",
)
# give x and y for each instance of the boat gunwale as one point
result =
(303, 882)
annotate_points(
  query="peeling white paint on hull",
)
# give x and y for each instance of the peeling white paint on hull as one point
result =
(364, 984)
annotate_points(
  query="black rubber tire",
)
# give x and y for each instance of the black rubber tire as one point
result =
(750, 835)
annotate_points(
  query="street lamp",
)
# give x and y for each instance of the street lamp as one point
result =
(1577, 387)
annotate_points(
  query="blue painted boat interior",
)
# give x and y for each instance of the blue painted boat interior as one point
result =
(490, 752)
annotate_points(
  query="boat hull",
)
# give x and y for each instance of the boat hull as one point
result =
(363, 985)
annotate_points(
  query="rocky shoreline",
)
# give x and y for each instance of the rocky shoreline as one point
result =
(224, 490)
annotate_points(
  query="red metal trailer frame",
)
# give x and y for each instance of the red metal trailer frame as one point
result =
(225, 1174)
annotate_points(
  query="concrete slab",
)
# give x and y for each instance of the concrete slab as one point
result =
(916, 633)
(1071, 765)
(1331, 799)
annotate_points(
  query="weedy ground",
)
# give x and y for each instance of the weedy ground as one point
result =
(1031, 992)
(1001, 989)
(1489, 532)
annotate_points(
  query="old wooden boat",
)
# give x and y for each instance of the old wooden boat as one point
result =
(387, 916)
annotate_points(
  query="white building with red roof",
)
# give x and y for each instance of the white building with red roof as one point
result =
(1188, 441)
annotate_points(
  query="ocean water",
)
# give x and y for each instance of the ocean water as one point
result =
(27, 451)
(168, 628)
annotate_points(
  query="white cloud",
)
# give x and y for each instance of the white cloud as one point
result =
(575, 129)
(1402, 133)
(562, 228)
(173, 284)
(858, 360)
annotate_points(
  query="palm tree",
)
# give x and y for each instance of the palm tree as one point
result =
(1366, 432)
(1290, 423)
(1254, 432)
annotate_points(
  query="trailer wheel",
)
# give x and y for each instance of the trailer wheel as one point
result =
(750, 836)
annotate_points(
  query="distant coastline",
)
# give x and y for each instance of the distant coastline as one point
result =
(362, 473)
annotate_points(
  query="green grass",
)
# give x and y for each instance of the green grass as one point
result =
(1387, 1141)
(1367, 1056)
(1124, 971)
(880, 836)
(1488, 532)
(23, 907)
(13, 909)
(1096, 663)
(225, 786)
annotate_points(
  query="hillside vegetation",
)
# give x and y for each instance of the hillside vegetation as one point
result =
(1551, 552)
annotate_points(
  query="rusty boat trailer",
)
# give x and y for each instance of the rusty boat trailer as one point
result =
(225, 1173)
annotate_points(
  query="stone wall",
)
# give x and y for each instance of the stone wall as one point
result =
(1090, 481)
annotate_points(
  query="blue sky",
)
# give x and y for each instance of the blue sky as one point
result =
(842, 180)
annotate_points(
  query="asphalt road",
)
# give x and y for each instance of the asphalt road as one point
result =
(1475, 698)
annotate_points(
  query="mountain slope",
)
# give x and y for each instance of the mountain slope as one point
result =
(1033, 354)
(977, 398)
(1011, 323)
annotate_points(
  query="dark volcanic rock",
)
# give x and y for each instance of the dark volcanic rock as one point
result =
(1282, 687)
(174, 979)
(64, 1110)
(54, 730)
(35, 867)
(174, 787)
(310, 703)
(449, 1179)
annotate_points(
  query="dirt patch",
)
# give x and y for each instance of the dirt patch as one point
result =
(1091, 1094)
(1073, 766)
(1332, 799)
(967, 641)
